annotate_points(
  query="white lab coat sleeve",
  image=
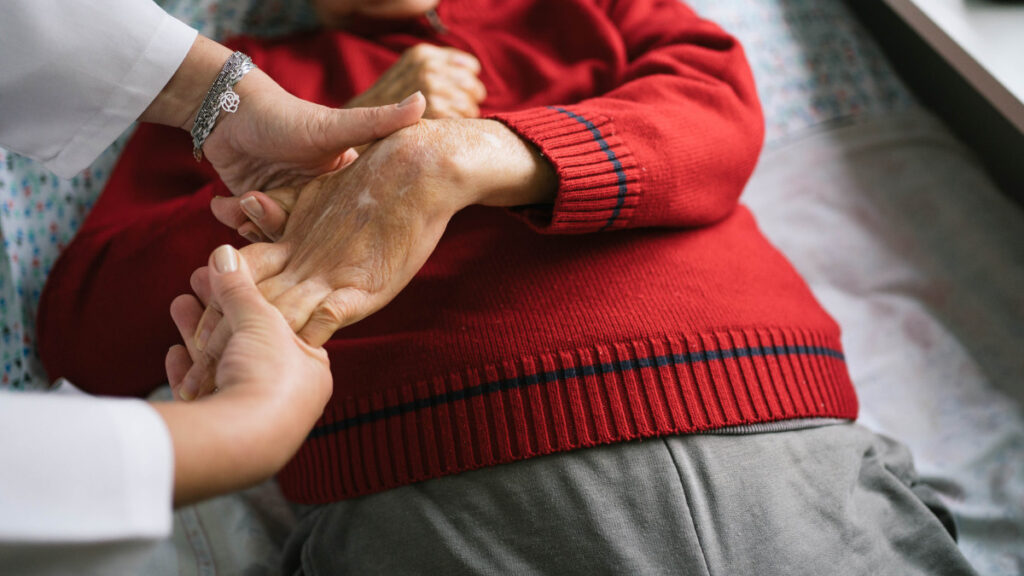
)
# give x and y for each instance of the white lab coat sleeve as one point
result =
(76, 469)
(74, 74)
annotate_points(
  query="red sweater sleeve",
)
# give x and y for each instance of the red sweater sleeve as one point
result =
(671, 145)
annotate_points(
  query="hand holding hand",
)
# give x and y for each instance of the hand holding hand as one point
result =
(357, 236)
(272, 388)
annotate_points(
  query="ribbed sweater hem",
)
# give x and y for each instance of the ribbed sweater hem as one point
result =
(546, 403)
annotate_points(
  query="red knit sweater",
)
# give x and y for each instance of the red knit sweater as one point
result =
(646, 302)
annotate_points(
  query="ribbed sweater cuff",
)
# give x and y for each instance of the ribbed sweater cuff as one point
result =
(598, 177)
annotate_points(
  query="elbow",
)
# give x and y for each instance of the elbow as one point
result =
(720, 167)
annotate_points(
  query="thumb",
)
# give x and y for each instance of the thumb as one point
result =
(348, 128)
(233, 289)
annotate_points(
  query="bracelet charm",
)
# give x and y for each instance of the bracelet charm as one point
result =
(221, 96)
(229, 101)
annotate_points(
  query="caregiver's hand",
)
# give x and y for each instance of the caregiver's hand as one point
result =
(272, 388)
(446, 76)
(357, 236)
(274, 139)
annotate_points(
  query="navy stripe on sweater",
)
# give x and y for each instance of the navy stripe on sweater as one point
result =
(619, 172)
(568, 373)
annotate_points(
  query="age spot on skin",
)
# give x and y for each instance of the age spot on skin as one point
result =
(491, 139)
(365, 199)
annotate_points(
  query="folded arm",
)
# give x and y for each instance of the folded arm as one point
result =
(671, 145)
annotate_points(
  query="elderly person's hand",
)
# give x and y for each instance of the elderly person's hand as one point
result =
(357, 236)
(272, 388)
(274, 139)
(446, 76)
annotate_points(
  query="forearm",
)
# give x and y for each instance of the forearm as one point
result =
(227, 442)
(672, 144)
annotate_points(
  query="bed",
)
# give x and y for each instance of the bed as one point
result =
(891, 220)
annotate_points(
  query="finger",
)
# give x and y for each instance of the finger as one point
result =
(298, 301)
(463, 59)
(207, 324)
(341, 308)
(446, 108)
(269, 212)
(186, 313)
(234, 289)
(466, 108)
(176, 363)
(347, 158)
(256, 216)
(227, 211)
(347, 128)
(422, 53)
(235, 293)
(252, 233)
(453, 102)
(200, 380)
(265, 260)
(468, 83)
(200, 282)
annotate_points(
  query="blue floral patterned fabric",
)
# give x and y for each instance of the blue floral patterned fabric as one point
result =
(813, 63)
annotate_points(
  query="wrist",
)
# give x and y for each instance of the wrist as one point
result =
(179, 101)
(229, 441)
(502, 169)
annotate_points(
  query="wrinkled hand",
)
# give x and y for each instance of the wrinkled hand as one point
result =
(446, 76)
(356, 237)
(276, 140)
(382, 216)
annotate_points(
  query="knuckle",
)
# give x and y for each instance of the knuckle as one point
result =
(317, 126)
(291, 317)
(331, 314)
(419, 52)
(232, 291)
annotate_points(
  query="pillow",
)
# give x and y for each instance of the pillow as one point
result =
(813, 62)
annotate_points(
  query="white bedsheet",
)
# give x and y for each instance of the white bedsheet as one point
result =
(914, 251)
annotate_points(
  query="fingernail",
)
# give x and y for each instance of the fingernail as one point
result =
(252, 207)
(225, 259)
(252, 237)
(409, 99)
(187, 392)
(202, 338)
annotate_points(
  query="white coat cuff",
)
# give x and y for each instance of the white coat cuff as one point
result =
(151, 72)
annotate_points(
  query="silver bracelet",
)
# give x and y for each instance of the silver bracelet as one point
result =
(221, 96)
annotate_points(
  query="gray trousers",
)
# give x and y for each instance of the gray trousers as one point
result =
(829, 500)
